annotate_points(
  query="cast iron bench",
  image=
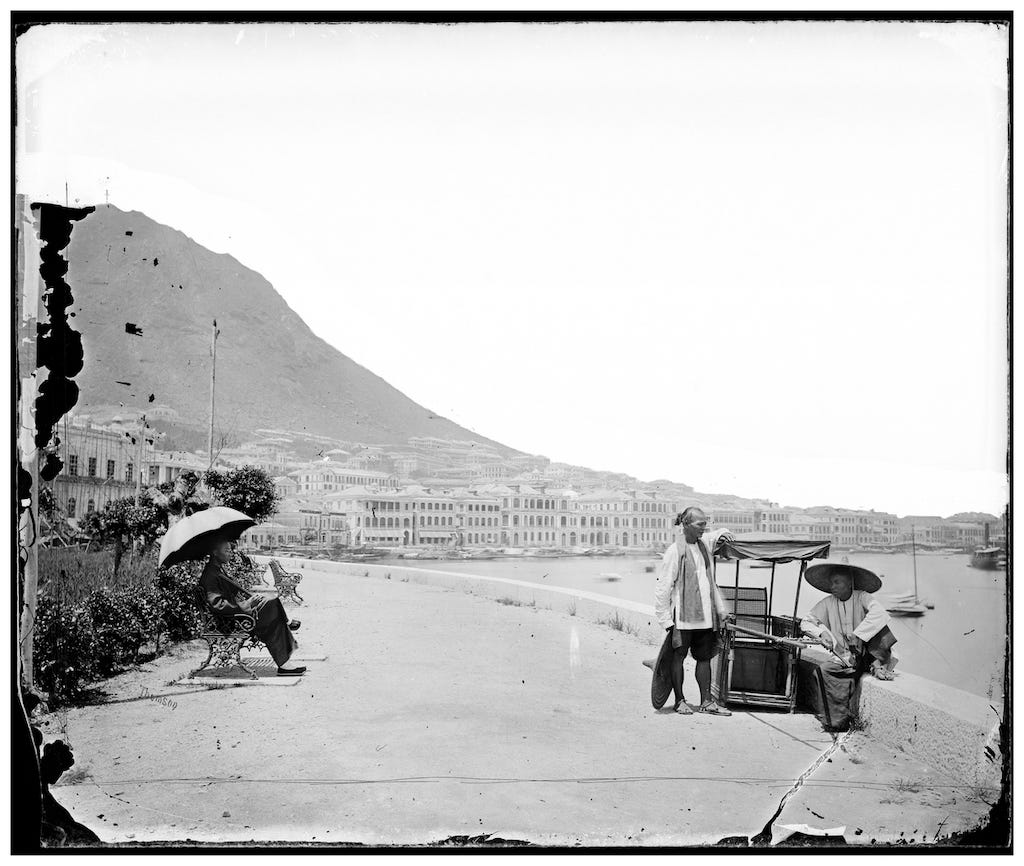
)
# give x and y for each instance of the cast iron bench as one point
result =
(243, 571)
(226, 635)
(286, 583)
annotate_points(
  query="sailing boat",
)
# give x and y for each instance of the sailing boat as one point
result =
(909, 605)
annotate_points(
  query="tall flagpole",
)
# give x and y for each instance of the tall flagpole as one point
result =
(213, 385)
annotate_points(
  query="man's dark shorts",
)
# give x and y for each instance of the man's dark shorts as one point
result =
(702, 643)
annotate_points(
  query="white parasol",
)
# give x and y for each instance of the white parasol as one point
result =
(193, 537)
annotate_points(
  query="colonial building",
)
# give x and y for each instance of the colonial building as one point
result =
(268, 454)
(166, 466)
(100, 464)
(818, 528)
(533, 517)
(773, 520)
(393, 518)
(477, 518)
(850, 528)
(617, 518)
(735, 520)
(327, 477)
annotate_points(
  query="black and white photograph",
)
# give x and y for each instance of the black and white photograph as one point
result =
(506, 431)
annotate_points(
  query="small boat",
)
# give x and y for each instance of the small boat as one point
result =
(907, 604)
(909, 599)
(906, 608)
(362, 555)
(648, 568)
(760, 565)
(611, 576)
(989, 558)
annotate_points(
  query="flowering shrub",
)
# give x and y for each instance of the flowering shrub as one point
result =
(90, 623)
(123, 620)
(64, 648)
(179, 604)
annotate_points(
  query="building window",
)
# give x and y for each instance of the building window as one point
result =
(110, 469)
(90, 506)
(129, 472)
(92, 467)
(73, 464)
(71, 506)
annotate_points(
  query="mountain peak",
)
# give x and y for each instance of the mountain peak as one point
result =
(145, 298)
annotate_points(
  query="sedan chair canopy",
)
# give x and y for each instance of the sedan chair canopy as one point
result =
(769, 547)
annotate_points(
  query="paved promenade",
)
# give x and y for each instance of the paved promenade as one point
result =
(438, 714)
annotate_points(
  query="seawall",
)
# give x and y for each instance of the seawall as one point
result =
(948, 728)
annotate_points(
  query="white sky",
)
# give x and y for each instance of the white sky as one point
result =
(767, 259)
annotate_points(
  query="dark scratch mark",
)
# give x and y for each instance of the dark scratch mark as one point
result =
(126, 384)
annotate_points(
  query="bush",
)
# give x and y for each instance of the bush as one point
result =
(90, 623)
(64, 649)
(178, 600)
(123, 620)
(248, 489)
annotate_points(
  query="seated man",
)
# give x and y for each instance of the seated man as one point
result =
(855, 627)
(226, 597)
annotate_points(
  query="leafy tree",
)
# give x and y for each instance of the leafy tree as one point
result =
(248, 489)
(121, 520)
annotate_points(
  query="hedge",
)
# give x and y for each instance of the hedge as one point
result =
(86, 630)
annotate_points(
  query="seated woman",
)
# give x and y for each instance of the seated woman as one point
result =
(227, 597)
(851, 623)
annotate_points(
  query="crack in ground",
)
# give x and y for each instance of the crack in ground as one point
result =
(765, 836)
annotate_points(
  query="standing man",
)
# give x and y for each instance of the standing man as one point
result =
(689, 606)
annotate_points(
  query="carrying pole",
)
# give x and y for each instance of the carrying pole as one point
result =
(771, 593)
(799, 580)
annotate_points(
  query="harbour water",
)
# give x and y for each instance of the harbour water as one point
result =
(962, 642)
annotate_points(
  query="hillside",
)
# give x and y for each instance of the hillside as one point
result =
(272, 371)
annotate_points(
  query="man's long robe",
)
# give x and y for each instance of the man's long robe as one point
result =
(867, 620)
(223, 596)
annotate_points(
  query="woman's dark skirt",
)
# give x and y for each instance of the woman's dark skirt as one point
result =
(272, 629)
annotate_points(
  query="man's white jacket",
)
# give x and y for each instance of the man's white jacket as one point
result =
(668, 586)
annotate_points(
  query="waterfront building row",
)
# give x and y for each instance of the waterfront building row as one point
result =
(487, 515)
(860, 528)
(102, 462)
